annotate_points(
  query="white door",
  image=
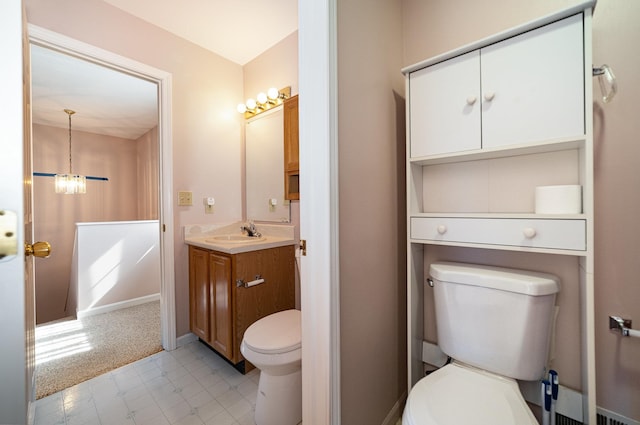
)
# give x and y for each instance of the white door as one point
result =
(445, 105)
(539, 95)
(17, 316)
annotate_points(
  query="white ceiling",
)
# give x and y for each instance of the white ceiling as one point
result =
(116, 104)
(236, 30)
(106, 101)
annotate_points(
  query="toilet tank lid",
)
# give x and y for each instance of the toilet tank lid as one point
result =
(504, 279)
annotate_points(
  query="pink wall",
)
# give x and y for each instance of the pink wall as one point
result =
(372, 218)
(55, 215)
(206, 127)
(437, 26)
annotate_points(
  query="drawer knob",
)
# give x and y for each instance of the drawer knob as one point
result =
(488, 96)
(471, 100)
(442, 229)
(529, 232)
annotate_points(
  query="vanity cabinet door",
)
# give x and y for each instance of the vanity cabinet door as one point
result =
(221, 313)
(533, 85)
(199, 294)
(277, 267)
(444, 105)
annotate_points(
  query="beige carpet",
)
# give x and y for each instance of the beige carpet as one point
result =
(72, 351)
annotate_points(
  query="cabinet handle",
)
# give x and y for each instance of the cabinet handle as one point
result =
(240, 283)
(442, 229)
(529, 232)
(471, 100)
(488, 96)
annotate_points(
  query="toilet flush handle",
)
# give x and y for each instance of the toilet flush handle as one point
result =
(430, 282)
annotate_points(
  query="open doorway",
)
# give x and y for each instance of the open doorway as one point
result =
(115, 142)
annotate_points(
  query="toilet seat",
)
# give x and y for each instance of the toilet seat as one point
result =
(275, 334)
(459, 394)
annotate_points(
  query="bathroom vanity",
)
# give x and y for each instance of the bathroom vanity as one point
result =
(233, 282)
(486, 125)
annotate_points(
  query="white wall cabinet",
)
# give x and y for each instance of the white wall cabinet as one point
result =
(527, 88)
(489, 122)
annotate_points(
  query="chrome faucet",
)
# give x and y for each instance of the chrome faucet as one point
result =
(251, 230)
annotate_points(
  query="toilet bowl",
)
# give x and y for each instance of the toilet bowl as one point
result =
(495, 323)
(273, 345)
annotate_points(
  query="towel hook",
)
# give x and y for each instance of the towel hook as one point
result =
(603, 73)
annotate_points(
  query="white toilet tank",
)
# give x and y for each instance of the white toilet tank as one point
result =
(494, 318)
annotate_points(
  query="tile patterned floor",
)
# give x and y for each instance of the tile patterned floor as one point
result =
(188, 386)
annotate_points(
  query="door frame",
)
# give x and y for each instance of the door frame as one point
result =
(163, 79)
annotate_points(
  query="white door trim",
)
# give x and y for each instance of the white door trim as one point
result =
(320, 294)
(163, 79)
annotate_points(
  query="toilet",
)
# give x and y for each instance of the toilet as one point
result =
(273, 345)
(495, 325)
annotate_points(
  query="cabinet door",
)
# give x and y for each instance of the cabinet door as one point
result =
(199, 295)
(291, 149)
(290, 114)
(277, 267)
(221, 311)
(444, 105)
(533, 85)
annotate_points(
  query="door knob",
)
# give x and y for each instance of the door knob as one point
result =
(488, 96)
(38, 249)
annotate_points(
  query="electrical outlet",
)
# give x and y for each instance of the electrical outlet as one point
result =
(185, 198)
(208, 205)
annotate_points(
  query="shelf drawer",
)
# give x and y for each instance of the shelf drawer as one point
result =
(568, 234)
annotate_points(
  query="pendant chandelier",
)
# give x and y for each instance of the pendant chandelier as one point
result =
(70, 184)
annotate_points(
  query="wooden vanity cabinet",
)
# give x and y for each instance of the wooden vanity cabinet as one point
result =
(291, 150)
(221, 311)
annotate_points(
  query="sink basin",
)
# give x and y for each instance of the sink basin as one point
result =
(234, 239)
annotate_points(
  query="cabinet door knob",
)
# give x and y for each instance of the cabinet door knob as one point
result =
(529, 232)
(488, 96)
(471, 100)
(442, 229)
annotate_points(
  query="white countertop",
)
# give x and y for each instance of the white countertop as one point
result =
(273, 236)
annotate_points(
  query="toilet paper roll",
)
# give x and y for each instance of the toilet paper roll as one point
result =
(562, 199)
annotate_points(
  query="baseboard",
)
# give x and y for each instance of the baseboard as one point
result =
(396, 411)
(186, 339)
(117, 306)
(607, 417)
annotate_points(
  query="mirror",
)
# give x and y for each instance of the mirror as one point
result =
(264, 165)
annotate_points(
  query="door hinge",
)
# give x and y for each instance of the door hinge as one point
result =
(164, 228)
(303, 247)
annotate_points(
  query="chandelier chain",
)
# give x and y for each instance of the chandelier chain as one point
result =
(70, 112)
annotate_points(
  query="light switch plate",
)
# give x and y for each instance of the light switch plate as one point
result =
(185, 198)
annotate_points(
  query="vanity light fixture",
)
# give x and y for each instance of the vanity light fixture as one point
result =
(264, 102)
(70, 184)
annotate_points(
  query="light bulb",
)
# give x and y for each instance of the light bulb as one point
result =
(251, 104)
(262, 98)
(273, 93)
(242, 108)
